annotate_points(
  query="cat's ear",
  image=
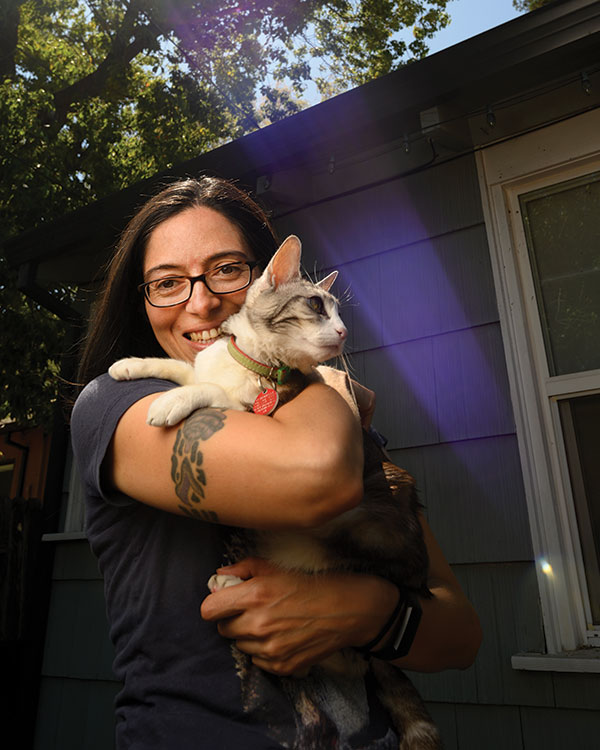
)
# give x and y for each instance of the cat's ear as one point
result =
(327, 282)
(284, 266)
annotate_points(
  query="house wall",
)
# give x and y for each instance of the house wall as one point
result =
(77, 689)
(425, 336)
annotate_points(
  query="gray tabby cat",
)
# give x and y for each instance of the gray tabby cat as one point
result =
(286, 327)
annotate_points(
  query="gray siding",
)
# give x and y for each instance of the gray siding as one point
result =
(75, 714)
(474, 497)
(78, 687)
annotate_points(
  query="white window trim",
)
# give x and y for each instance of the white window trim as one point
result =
(558, 152)
(73, 521)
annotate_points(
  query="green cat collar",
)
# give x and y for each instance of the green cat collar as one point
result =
(277, 373)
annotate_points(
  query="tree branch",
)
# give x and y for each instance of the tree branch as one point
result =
(127, 43)
(10, 16)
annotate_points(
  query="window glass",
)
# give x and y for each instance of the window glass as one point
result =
(562, 229)
(580, 419)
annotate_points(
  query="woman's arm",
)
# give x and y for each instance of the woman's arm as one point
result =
(289, 621)
(449, 634)
(298, 468)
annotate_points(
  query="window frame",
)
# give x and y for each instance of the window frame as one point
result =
(71, 524)
(554, 154)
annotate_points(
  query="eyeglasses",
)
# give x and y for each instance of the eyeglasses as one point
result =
(173, 290)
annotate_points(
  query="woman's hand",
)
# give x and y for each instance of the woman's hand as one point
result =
(288, 621)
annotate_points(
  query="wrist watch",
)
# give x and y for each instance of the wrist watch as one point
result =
(401, 629)
(403, 632)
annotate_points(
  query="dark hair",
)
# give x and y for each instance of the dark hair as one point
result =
(119, 326)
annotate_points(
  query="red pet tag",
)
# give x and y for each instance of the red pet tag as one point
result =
(266, 402)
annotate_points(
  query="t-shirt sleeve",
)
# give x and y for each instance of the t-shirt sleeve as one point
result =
(94, 419)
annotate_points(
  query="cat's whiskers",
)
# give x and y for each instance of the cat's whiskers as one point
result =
(346, 298)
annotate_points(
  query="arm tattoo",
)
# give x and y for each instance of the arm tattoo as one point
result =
(186, 461)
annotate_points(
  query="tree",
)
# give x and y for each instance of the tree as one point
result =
(32, 340)
(527, 5)
(98, 94)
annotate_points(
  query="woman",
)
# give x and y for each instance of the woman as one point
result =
(297, 468)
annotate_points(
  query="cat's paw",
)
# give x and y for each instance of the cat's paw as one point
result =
(175, 405)
(130, 368)
(219, 581)
(169, 409)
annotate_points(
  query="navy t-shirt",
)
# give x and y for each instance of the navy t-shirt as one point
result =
(184, 686)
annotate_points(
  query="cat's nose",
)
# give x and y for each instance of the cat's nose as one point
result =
(342, 333)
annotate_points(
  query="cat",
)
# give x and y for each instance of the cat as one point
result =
(288, 325)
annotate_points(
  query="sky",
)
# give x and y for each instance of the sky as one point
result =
(469, 18)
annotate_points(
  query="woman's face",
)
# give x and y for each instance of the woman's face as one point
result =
(189, 244)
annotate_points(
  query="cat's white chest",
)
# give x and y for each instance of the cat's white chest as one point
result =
(215, 364)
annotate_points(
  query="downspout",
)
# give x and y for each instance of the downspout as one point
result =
(28, 284)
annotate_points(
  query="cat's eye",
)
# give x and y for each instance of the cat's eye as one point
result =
(316, 304)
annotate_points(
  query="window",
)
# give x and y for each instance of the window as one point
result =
(580, 422)
(71, 523)
(541, 196)
(561, 224)
(6, 477)
(562, 231)
(73, 515)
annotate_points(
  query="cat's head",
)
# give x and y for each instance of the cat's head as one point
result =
(287, 318)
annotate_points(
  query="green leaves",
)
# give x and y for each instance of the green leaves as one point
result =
(31, 342)
(359, 41)
(528, 5)
(98, 94)
(101, 93)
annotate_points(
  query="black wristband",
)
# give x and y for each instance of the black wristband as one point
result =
(404, 631)
(368, 647)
